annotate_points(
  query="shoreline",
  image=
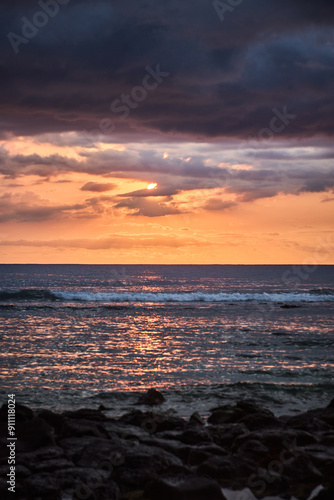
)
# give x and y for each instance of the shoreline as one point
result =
(158, 455)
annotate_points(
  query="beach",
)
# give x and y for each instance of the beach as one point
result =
(242, 451)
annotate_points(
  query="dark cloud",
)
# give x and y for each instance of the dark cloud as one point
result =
(98, 187)
(148, 208)
(225, 77)
(275, 172)
(218, 204)
(29, 207)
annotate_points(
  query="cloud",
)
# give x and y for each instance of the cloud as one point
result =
(148, 208)
(218, 204)
(117, 241)
(269, 175)
(223, 82)
(98, 187)
(29, 207)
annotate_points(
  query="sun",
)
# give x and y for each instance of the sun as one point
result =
(153, 185)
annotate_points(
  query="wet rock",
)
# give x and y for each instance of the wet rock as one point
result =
(86, 414)
(42, 485)
(54, 419)
(54, 464)
(151, 398)
(310, 421)
(177, 448)
(195, 436)
(250, 406)
(301, 470)
(22, 413)
(198, 488)
(289, 306)
(200, 454)
(33, 434)
(138, 466)
(230, 470)
(253, 448)
(322, 457)
(325, 494)
(82, 427)
(226, 415)
(331, 404)
(196, 419)
(260, 420)
(224, 435)
(153, 422)
(33, 459)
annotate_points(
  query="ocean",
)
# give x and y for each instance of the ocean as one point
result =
(84, 335)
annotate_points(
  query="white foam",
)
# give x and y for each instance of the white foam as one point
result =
(190, 297)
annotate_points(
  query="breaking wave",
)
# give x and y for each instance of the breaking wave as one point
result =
(161, 297)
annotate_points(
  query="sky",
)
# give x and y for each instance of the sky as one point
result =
(167, 132)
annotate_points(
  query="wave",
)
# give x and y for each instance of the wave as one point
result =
(161, 297)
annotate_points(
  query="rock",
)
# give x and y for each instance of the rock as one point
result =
(289, 306)
(331, 404)
(22, 413)
(325, 494)
(254, 448)
(86, 414)
(231, 470)
(302, 470)
(34, 458)
(196, 419)
(42, 486)
(261, 420)
(198, 488)
(224, 435)
(199, 454)
(226, 415)
(194, 436)
(81, 427)
(153, 422)
(141, 465)
(33, 434)
(53, 419)
(250, 406)
(177, 448)
(312, 421)
(151, 397)
(87, 483)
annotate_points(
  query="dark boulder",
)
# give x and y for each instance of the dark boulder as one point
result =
(54, 419)
(22, 413)
(325, 494)
(33, 434)
(86, 414)
(196, 419)
(151, 398)
(198, 488)
(227, 414)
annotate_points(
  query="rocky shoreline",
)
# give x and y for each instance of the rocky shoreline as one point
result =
(154, 455)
